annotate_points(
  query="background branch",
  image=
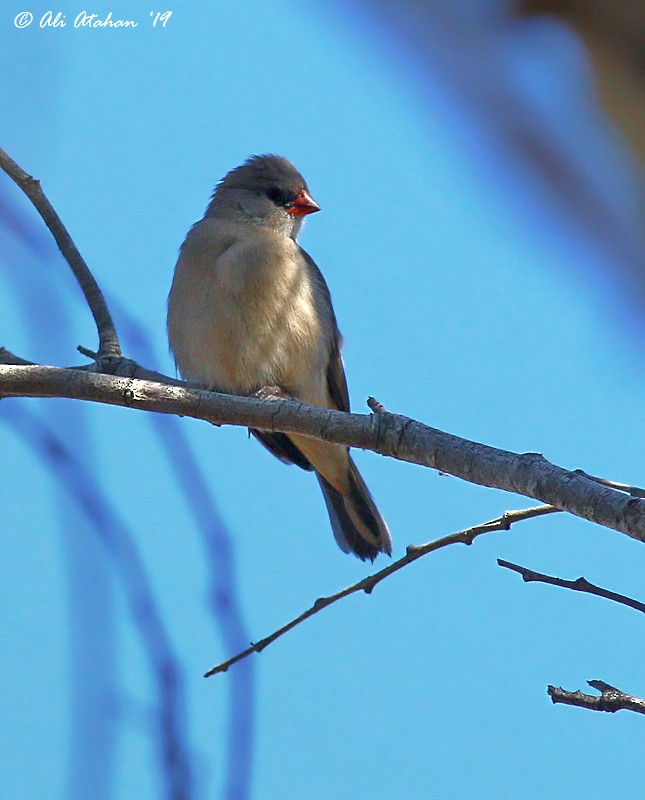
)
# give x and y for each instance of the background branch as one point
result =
(610, 699)
(105, 520)
(367, 585)
(108, 340)
(579, 585)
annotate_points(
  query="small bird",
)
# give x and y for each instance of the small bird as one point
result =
(249, 313)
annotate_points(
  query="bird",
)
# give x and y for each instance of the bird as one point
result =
(250, 314)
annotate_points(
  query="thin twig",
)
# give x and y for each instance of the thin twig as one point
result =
(119, 366)
(634, 491)
(376, 406)
(611, 699)
(7, 357)
(579, 585)
(108, 340)
(367, 585)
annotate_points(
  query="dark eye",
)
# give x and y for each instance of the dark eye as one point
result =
(279, 196)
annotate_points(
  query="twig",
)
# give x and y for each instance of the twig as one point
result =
(7, 357)
(579, 585)
(120, 367)
(634, 491)
(610, 700)
(108, 340)
(377, 408)
(367, 585)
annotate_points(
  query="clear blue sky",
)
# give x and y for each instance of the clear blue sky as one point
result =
(459, 308)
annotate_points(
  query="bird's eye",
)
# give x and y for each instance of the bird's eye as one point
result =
(279, 196)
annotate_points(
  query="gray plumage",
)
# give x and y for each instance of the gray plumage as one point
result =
(249, 309)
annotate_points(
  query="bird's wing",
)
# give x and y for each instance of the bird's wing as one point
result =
(279, 444)
(336, 380)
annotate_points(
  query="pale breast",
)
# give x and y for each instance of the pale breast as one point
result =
(249, 317)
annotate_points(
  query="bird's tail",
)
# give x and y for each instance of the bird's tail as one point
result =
(357, 524)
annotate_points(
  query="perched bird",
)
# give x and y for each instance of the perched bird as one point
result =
(249, 313)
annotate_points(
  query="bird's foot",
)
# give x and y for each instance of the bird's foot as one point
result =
(272, 393)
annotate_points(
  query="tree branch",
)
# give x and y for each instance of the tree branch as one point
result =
(111, 379)
(528, 474)
(610, 700)
(108, 339)
(367, 585)
(634, 491)
(579, 585)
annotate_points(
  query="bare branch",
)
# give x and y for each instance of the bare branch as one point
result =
(7, 357)
(610, 700)
(634, 491)
(376, 406)
(579, 585)
(367, 585)
(528, 474)
(108, 340)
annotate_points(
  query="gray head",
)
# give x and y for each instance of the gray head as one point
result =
(266, 190)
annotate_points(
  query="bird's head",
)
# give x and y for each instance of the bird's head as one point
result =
(266, 190)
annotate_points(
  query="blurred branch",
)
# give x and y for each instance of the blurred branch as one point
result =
(579, 585)
(108, 339)
(219, 559)
(413, 552)
(613, 32)
(610, 700)
(81, 485)
(528, 474)
(441, 40)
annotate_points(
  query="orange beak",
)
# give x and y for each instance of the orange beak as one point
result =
(303, 204)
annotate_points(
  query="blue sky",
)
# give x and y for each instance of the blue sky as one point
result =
(465, 303)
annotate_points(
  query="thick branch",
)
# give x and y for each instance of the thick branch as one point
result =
(108, 340)
(579, 585)
(610, 700)
(367, 585)
(528, 474)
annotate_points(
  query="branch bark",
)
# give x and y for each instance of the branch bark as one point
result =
(611, 699)
(528, 474)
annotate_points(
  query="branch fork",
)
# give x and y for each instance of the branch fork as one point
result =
(116, 380)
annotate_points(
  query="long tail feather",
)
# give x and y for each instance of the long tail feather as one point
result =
(356, 522)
